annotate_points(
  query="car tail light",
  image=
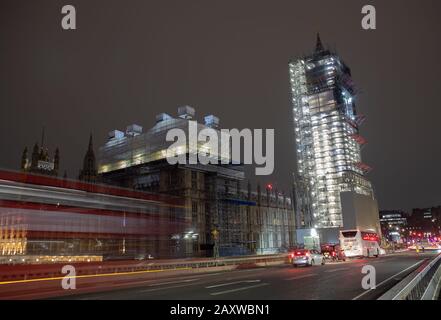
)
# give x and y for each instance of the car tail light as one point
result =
(333, 253)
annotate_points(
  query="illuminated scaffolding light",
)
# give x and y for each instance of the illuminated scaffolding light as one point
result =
(364, 167)
(359, 139)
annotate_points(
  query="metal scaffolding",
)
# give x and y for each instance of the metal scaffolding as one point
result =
(327, 135)
(224, 218)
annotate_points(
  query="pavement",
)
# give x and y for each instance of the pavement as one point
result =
(333, 281)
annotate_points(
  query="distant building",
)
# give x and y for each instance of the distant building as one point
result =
(89, 172)
(331, 189)
(425, 221)
(393, 224)
(225, 217)
(40, 161)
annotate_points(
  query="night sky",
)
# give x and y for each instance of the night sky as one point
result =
(129, 60)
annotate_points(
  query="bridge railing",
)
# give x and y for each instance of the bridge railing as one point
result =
(424, 285)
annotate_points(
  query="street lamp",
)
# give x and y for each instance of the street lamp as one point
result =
(215, 234)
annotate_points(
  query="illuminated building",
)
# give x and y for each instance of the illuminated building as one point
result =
(216, 201)
(425, 221)
(328, 142)
(393, 224)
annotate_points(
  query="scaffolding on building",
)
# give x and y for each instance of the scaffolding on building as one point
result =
(221, 213)
(327, 135)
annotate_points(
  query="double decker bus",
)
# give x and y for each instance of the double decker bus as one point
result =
(45, 219)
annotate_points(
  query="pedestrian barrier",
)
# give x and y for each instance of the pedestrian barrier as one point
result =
(419, 285)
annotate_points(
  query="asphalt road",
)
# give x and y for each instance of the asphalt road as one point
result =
(340, 281)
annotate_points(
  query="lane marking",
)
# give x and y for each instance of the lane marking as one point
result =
(383, 282)
(92, 276)
(172, 282)
(231, 283)
(171, 287)
(87, 291)
(335, 270)
(250, 270)
(302, 277)
(239, 289)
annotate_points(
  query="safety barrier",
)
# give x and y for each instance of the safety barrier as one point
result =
(16, 272)
(424, 285)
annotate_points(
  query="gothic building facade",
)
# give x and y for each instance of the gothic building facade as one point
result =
(225, 216)
(40, 161)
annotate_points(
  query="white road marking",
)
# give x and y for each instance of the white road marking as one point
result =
(383, 282)
(335, 270)
(231, 283)
(165, 288)
(239, 289)
(302, 277)
(172, 282)
(250, 270)
(200, 276)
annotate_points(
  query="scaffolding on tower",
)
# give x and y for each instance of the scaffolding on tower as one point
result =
(359, 139)
(364, 167)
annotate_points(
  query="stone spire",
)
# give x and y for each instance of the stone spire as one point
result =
(35, 155)
(319, 46)
(56, 161)
(89, 172)
(24, 159)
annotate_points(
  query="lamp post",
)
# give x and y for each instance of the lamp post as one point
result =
(215, 235)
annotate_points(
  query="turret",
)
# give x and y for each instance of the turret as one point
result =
(35, 156)
(319, 46)
(24, 159)
(56, 161)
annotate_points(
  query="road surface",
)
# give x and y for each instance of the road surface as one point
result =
(341, 281)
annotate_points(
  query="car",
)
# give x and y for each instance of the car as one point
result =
(305, 257)
(333, 252)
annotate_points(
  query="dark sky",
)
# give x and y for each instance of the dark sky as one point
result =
(129, 60)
